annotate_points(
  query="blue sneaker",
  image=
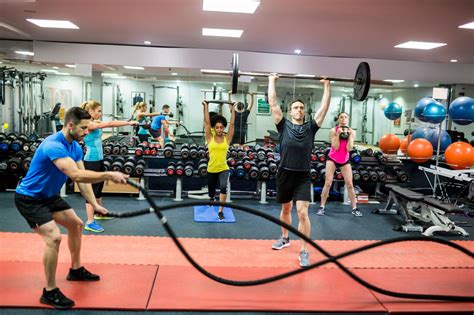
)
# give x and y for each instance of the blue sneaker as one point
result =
(94, 227)
(304, 258)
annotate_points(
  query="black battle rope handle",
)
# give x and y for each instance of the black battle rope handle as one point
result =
(334, 259)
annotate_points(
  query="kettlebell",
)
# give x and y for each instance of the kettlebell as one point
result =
(344, 132)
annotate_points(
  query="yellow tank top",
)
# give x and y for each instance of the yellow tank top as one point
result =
(217, 156)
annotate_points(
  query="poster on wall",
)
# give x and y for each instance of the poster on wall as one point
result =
(263, 108)
(137, 97)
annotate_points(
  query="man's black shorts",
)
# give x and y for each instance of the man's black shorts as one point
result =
(39, 211)
(293, 185)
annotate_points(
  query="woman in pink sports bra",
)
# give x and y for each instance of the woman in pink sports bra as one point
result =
(339, 157)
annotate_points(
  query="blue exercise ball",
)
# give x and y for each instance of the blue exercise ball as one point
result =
(421, 132)
(445, 140)
(420, 107)
(393, 111)
(461, 110)
(434, 113)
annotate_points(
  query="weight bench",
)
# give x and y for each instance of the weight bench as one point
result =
(413, 205)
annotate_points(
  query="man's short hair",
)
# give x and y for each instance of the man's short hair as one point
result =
(75, 115)
(240, 106)
(166, 106)
(295, 101)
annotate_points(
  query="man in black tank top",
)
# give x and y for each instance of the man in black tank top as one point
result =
(293, 178)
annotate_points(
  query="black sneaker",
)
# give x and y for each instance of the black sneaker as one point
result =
(221, 217)
(356, 212)
(81, 274)
(56, 299)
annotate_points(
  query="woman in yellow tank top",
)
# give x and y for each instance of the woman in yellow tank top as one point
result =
(217, 145)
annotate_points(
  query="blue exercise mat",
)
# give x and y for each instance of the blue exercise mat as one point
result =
(209, 214)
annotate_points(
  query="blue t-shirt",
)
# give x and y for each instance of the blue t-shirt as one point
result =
(156, 123)
(93, 142)
(43, 179)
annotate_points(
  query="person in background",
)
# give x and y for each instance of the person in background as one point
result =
(94, 158)
(218, 144)
(339, 157)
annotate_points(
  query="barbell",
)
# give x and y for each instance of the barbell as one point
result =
(361, 80)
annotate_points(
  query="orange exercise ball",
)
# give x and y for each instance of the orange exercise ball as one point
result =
(420, 150)
(389, 143)
(404, 144)
(459, 155)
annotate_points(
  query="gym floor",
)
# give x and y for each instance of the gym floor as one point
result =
(137, 251)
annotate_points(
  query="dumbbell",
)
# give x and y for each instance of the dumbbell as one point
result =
(107, 148)
(381, 174)
(108, 160)
(13, 163)
(374, 177)
(168, 149)
(313, 174)
(247, 163)
(363, 173)
(239, 169)
(2, 136)
(261, 154)
(355, 156)
(185, 151)
(193, 151)
(140, 150)
(140, 167)
(367, 152)
(253, 171)
(129, 165)
(356, 175)
(202, 152)
(344, 135)
(270, 154)
(123, 149)
(25, 163)
(232, 153)
(402, 176)
(272, 166)
(171, 169)
(116, 149)
(321, 157)
(189, 169)
(321, 169)
(251, 155)
(380, 157)
(5, 146)
(240, 153)
(202, 167)
(3, 165)
(314, 157)
(263, 170)
(153, 149)
(230, 162)
(338, 175)
(117, 165)
(17, 144)
(179, 168)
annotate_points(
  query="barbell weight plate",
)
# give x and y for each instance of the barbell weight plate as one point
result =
(362, 81)
(235, 73)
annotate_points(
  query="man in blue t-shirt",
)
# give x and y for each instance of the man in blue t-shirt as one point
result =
(161, 121)
(37, 198)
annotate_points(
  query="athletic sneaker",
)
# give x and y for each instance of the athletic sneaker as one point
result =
(304, 258)
(356, 212)
(56, 298)
(102, 217)
(94, 227)
(82, 274)
(221, 216)
(320, 211)
(281, 243)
